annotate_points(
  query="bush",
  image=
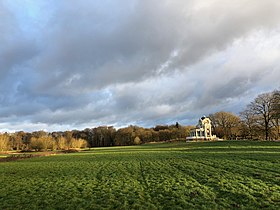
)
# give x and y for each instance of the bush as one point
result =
(137, 140)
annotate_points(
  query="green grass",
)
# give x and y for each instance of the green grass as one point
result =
(209, 175)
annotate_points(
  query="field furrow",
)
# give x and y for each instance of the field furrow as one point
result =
(159, 176)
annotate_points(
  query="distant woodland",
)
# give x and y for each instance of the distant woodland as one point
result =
(258, 121)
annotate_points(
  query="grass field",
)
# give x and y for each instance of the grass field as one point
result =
(209, 175)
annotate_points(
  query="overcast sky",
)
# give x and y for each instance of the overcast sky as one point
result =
(71, 64)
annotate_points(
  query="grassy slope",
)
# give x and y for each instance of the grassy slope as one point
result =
(209, 175)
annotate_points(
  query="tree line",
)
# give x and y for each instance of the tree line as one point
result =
(90, 137)
(258, 121)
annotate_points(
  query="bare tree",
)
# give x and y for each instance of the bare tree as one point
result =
(276, 112)
(249, 121)
(261, 107)
(225, 124)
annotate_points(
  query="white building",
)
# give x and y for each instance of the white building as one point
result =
(203, 130)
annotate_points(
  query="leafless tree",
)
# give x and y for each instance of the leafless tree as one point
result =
(225, 124)
(249, 121)
(262, 109)
(276, 112)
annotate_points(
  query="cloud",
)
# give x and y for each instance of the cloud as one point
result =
(93, 46)
(87, 63)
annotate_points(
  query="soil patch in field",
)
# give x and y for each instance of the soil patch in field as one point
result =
(21, 156)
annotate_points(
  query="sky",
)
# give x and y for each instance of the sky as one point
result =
(80, 64)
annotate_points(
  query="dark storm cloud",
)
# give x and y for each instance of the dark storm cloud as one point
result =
(15, 49)
(86, 63)
(93, 46)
